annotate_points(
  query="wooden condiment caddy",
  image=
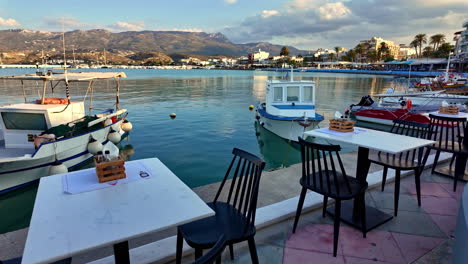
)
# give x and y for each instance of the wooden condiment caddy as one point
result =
(449, 110)
(110, 170)
(341, 125)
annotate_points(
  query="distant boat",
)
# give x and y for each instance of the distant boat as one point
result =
(289, 109)
(52, 135)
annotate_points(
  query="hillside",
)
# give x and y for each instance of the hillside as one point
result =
(167, 42)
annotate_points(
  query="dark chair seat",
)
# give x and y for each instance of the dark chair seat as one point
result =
(332, 189)
(228, 222)
(234, 218)
(394, 161)
(451, 147)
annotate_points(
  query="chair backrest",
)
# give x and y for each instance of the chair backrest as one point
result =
(447, 131)
(214, 254)
(245, 171)
(410, 129)
(319, 169)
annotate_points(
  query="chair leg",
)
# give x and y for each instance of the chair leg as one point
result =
(198, 253)
(325, 202)
(452, 160)
(336, 229)
(253, 250)
(180, 240)
(417, 181)
(384, 178)
(363, 219)
(231, 251)
(436, 159)
(397, 191)
(299, 208)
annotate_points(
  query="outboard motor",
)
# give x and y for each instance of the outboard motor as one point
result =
(366, 101)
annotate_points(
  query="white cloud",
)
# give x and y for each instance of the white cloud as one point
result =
(328, 23)
(68, 23)
(333, 11)
(230, 1)
(8, 22)
(127, 26)
(269, 13)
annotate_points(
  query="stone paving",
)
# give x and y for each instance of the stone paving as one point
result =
(420, 235)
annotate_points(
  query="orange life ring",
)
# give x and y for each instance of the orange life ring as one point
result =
(53, 101)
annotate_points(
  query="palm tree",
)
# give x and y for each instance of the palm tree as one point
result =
(414, 44)
(428, 51)
(383, 50)
(359, 50)
(422, 39)
(436, 40)
(337, 50)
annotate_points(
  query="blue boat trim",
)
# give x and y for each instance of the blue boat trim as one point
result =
(293, 107)
(263, 113)
(18, 186)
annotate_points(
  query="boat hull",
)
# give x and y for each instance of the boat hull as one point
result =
(289, 130)
(386, 117)
(71, 152)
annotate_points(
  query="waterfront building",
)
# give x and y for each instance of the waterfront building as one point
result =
(405, 52)
(375, 42)
(259, 56)
(461, 50)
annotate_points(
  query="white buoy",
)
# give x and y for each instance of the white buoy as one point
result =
(58, 168)
(108, 122)
(126, 126)
(94, 146)
(113, 136)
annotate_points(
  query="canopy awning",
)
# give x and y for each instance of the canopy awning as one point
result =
(70, 76)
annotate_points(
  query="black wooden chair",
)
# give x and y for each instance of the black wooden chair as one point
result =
(404, 161)
(214, 254)
(235, 218)
(449, 134)
(320, 174)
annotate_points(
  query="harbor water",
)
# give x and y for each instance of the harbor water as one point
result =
(212, 108)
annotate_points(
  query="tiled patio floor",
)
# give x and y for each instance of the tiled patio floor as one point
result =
(417, 235)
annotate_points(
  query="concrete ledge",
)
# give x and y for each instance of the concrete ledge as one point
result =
(164, 250)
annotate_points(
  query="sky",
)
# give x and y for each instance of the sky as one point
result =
(304, 24)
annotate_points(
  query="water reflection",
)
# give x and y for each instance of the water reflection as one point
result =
(276, 151)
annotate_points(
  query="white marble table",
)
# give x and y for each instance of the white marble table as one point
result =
(63, 225)
(368, 139)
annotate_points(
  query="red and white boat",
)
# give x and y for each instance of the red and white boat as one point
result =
(386, 116)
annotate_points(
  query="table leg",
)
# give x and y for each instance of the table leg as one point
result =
(121, 253)
(350, 210)
(460, 165)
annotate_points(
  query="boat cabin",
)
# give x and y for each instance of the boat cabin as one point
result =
(19, 123)
(294, 98)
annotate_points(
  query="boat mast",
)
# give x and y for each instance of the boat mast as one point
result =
(447, 69)
(67, 90)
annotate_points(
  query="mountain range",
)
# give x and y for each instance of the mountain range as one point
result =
(131, 42)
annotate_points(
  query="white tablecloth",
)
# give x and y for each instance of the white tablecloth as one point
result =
(85, 181)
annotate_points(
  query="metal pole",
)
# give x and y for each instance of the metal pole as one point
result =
(91, 87)
(24, 92)
(44, 90)
(117, 95)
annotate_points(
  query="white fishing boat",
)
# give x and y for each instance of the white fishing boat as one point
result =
(51, 135)
(289, 108)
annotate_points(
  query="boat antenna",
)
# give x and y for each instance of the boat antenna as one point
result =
(67, 90)
(292, 72)
(447, 69)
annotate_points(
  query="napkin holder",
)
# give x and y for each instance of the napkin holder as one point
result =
(449, 110)
(341, 125)
(110, 170)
